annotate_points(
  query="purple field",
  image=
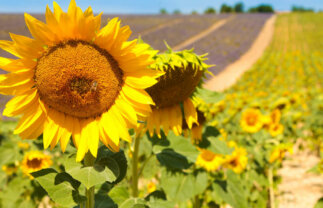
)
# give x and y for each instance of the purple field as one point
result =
(224, 45)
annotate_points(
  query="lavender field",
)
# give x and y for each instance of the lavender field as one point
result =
(224, 45)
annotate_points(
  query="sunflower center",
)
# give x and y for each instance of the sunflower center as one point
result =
(34, 163)
(78, 78)
(208, 156)
(175, 86)
(251, 120)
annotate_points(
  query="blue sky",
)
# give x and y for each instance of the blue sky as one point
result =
(148, 6)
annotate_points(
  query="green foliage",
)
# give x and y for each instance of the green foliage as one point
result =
(263, 8)
(319, 203)
(177, 11)
(231, 191)
(106, 169)
(210, 10)
(239, 7)
(301, 9)
(225, 8)
(180, 187)
(61, 187)
(163, 11)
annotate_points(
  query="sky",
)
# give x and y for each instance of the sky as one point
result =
(148, 6)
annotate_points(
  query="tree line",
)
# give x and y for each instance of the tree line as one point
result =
(239, 8)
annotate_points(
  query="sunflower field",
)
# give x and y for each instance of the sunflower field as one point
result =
(97, 118)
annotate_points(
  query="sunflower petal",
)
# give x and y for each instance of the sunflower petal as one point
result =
(190, 112)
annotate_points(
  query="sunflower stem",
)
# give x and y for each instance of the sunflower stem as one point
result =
(89, 193)
(271, 188)
(135, 166)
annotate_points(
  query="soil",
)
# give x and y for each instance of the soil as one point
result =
(299, 188)
(231, 73)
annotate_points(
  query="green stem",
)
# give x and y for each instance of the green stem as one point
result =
(135, 167)
(89, 193)
(196, 202)
(271, 188)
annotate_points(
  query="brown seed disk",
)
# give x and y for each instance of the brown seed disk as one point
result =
(34, 163)
(175, 86)
(78, 78)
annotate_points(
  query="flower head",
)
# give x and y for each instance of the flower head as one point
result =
(251, 120)
(279, 152)
(209, 160)
(34, 161)
(238, 160)
(75, 79)
(183, 72)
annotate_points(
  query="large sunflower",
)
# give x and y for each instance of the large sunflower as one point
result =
(174, 90)
(75, 79)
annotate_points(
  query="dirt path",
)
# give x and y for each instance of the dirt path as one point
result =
(231, 73)
(299, 189)
(201, 34)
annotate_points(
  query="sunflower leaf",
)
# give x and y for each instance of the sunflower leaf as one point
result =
(105, 169)
(61, 187)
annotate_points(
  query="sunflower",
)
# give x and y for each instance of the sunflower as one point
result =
(34, 161)
(238, 160)
(75, 79)
(251, 120)
(10, 169)
(276, 129)
(209, 160)
(172, 94)
(197, 129)
(279, 152)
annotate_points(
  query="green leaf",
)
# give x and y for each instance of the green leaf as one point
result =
(181, 187)
(319, 203)
(208, 96)
(200, 183)
(9, 153)
(172, 160)
(134, 203)
(219, 146)
(119, 194)
(160, 204)
(230, 191)
(106, 169)
(104, 201)
(12, 192)
(61, 187)
(179, 144)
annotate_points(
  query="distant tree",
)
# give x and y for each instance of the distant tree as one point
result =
(163, 11)
(263, 8)
(225, 9)
(239, 8)
(210, 10)
(301, 9)
(194, 12)
(177, 11)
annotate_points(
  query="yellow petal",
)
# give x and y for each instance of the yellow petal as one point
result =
(39, 30)
(190, 112)
(109, 127)
(140, 82)
(66, 135)
(92, 130)
(138, 95)
(127, 111)
(120, 124)
(28, 119)
(50, 130)
(20, 104)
